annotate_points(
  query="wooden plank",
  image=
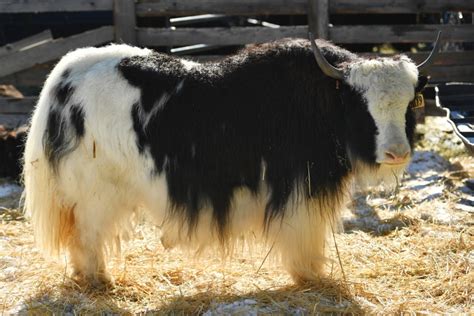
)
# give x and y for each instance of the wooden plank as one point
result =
(455, 89)
(398, 6)
(14, 120)
(125, 21)
(447, 58)
(400, 33)
(216, 35)
(463, 100)
(318, 17)
(28, 42)
(17, 106)
(31, 79)
(463, 73)
(229, 7)
(448, 66)
(442, 58)
(264, 7)
(14, 62)
(37, 6)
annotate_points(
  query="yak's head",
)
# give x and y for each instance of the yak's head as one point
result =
(378, 93)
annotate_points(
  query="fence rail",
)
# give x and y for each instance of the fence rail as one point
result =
(345, 34)
(39, 6)
(356, 34)
(216, 35)
(55, 49)
(239, 7)
(296, 7)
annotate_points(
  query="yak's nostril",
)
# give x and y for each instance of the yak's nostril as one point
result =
(390, 156)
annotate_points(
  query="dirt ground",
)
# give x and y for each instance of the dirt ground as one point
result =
(411, 250)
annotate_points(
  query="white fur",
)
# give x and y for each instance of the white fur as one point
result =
(388, 87)
(87, 204)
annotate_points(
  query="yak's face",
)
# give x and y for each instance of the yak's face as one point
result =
(386, 86)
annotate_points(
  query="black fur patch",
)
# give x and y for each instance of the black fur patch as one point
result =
(62, 135)
(410, 127)
(269, 103)
(64, 90)
(360, 126)
(77, 119)
(54, 137)
(138, 128)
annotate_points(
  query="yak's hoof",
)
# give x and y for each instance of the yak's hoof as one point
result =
(98, 281)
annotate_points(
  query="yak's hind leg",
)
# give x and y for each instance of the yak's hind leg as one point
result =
(99, 218)
(301, 237)
(86, 246)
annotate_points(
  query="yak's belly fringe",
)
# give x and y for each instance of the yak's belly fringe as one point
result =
(298, 239)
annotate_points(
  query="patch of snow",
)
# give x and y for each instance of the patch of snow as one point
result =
(8, 274)
(442, 216)
(437, 234)
(9, 268)
(248, 307)
(431, 193)
(464, 208)
(425, 161)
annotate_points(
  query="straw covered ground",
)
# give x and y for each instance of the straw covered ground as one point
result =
(405, 251)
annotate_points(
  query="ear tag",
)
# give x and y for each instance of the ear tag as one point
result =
(418, 101)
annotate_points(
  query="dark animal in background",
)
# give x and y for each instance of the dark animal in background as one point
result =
(264, 142)
(12, 147)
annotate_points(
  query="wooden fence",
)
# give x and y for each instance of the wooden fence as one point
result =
(17, 62)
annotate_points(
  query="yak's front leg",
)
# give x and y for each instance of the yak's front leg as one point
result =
(301, 238)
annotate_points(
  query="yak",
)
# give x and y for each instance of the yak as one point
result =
(264, 142)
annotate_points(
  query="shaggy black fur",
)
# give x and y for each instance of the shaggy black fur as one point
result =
(77, 119)
(270, 103)
(64, 90)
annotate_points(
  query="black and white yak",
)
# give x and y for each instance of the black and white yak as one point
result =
(265, 142)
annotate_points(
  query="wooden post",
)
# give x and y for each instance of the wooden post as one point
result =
(125, 21)
(318, 18)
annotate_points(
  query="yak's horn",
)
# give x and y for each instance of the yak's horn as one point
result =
(325, 66)
(429, 60)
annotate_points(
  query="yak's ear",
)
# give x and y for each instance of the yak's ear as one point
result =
(422, 81)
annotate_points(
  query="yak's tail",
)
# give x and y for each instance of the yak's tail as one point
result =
(51, 218)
